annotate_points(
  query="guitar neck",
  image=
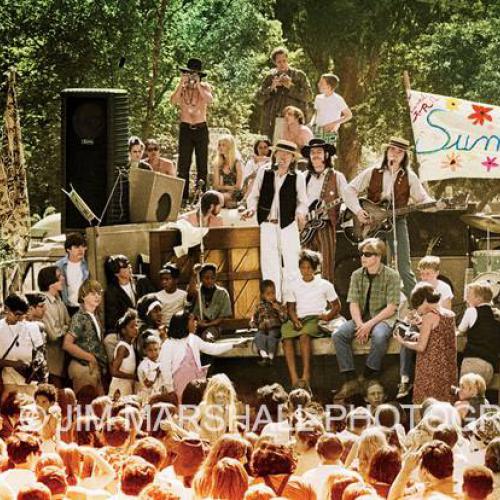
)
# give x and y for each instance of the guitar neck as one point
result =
(320, 211)
(413, 208)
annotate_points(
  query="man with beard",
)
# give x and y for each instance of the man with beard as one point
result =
(283, 86)
(324, 186)
(211, 205)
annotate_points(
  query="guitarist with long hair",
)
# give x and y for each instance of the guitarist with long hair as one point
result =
(326, 188)
(379, 183)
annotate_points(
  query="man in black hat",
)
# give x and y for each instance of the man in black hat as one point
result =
(324, 186)
(193, 96)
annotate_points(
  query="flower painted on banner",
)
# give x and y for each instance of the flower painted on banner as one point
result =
(480, 115)
(490, 163)
(452, 104)
(452, 161)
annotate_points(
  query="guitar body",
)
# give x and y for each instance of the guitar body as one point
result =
(313, 224)
(380, 221)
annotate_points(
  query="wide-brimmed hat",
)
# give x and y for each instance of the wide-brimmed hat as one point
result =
(398, 142)
(287, 146)
(194, 65)
(318, 143)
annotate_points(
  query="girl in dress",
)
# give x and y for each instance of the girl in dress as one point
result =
(310, 299)
(180, 354)
(124, 363)
(228, 172)
(436, 365)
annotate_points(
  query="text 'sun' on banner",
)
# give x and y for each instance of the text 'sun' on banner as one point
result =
(455, 138)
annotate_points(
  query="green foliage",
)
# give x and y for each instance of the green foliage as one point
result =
(57, 44)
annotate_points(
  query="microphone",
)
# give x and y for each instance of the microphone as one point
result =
(201, 184)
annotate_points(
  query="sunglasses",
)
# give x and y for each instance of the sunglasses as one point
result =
(367, 254)
(153, 149)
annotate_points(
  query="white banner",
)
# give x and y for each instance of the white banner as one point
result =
(455, 138)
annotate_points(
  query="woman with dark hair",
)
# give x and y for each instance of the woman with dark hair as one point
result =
(56, 320)
(436, 365)
(261, 157)
(180, 354)
(135, 153)
(274, 465)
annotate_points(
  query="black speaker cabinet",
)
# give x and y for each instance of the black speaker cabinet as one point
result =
(94, 135)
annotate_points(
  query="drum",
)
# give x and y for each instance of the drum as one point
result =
(485, 261)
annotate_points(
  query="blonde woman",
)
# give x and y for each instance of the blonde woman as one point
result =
(228, 171)
(218, 409)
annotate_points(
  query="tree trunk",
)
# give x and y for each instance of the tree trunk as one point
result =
(150, 104)
(349, 153)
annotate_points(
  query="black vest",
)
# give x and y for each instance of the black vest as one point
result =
(287, 196)
(483, 339)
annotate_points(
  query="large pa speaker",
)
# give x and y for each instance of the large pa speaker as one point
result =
(154, 197)
(94, 135)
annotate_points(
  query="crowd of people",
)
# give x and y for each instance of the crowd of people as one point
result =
(105, 393)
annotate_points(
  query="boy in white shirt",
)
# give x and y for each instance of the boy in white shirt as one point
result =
(172, 299)
(330, 109)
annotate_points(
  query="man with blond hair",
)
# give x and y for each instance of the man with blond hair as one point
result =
(374, 294)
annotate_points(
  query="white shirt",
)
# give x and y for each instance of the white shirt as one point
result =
(328, 108)
(360, 184)
(315, 186)
(252, 166)
(74, 278)
(129, 291)
(15, 479)
(29, 336)
(311, 297)
(470, 317)
(96, 324)
(253, 199)
(147, 370)
(317, 477)
(444, 290)
(173, 351)
(171, 303)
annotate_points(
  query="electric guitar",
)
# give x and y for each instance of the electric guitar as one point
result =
(380, 218)
(315, 220)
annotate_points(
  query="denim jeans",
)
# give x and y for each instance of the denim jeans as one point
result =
(379, 339)
(404, 262)
(268, 341)
(407, 362)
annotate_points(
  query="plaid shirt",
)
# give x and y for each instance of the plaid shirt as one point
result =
(386, 287)
(266, 317)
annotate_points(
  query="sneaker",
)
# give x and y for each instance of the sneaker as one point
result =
(347, 390)
(404, 389)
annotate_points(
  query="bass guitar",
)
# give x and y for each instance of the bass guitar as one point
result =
(315, 219)
(380, 218)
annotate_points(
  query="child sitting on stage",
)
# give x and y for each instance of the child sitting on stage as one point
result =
(312, 299)
(124, 364)
(267, 318)
(471, 396)
(148, 372)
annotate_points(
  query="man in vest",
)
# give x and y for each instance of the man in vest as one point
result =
(377, 183)
(324, 185)
(279, 199)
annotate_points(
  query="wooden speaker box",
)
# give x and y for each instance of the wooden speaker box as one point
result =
(154, 197)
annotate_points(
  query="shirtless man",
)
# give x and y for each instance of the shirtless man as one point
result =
(193, 96)
(156, 161)
(211, 204)
(295, 130)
